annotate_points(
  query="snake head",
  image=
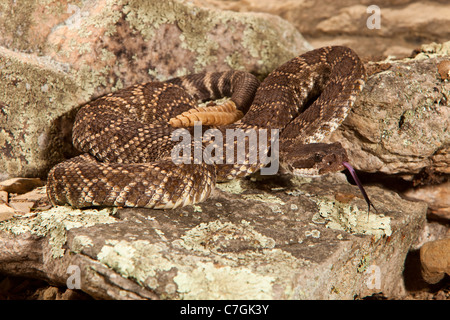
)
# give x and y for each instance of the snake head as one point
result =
(314, 159)
(317, 159)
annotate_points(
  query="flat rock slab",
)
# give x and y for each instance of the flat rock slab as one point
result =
(269, 239)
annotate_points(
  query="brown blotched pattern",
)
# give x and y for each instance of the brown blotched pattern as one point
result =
(127, 138)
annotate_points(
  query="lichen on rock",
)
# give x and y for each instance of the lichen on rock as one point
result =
(55, 222)
(208, 281)
(351, 219)
(219, 237)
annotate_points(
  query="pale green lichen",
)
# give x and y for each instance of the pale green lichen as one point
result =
(195, 24)
(276, 209)
(349, 218)
(274, 203)
(89, 79)
(208, 281)
(364, 263)
(235, 61)
(54, 224)
(31, 76)
(313, 233)
(231, 186)
(139, 260)
(38, 86)
(80, 242)
(260, 37)
(214, 236)
(263, 197)
(433, 49)
(106, 18)
(15, 22)
(197, 277)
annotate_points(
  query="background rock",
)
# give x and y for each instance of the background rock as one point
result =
(404, 24)
(400, 121)
(435, 259)
(20, 185)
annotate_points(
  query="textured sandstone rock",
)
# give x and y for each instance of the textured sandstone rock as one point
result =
(436, 196)
(20, 185)
(301, 240)
(400, 121)
(404, 24)
(6, 212)
(435, 260)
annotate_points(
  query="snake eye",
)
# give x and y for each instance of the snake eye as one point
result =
(318, 157)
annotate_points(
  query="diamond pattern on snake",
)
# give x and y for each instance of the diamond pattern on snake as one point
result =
(126, 140)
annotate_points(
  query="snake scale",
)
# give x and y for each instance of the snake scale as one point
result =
(126, 138)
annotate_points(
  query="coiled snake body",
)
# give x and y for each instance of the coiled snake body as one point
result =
(127, 139)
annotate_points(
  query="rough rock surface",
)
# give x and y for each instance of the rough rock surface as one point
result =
(297, 240)
(56, 56)
(399, 123)
(436, 196)
(403, 24)
(435, 259)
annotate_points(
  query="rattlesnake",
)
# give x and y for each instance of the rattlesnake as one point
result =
(127, 139)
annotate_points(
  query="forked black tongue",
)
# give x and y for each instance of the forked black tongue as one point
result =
(359, 184)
